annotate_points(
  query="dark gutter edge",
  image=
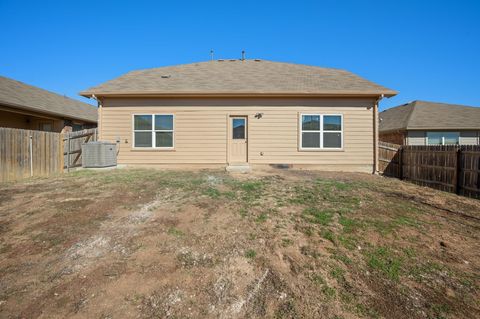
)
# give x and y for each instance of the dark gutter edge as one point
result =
(133, 94)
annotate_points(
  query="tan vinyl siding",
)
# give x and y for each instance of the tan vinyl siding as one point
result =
(201, 130)
(469, 138)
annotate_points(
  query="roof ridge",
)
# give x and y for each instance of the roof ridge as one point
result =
(449, 104)
(412, 110)
(239, 60)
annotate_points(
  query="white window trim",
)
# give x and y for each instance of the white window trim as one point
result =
(443, 137)
(153, 131)
(321, 131)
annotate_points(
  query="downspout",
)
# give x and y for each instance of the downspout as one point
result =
(375, 134)
(99, 119)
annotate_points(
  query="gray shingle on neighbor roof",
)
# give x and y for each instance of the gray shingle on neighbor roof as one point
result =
(20, 95)
(239, 77)
(419, 115)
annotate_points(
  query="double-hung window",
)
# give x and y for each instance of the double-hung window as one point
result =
(443, 138)
(321, 131)
(153, 131)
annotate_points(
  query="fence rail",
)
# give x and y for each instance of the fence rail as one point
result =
(26, 153)
(452, 168)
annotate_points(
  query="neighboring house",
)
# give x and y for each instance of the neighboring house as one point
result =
(429, 123)
(241, 112)
(27, 107)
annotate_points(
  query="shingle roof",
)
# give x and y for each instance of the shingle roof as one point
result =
(20, 95)
(419, 115)
(239, 77)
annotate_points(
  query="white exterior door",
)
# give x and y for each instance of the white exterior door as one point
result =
(237, 140)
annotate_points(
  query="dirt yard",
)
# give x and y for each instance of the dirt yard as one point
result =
(287, 244)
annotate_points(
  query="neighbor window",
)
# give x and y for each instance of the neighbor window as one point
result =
(443, 138)
(321, 131)
(153, 130)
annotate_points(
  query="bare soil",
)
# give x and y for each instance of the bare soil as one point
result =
(283, 244)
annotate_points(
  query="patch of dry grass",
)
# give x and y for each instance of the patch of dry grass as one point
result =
(142, 243)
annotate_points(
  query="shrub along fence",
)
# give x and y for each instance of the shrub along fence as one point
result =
(27, 153)
(452, 168)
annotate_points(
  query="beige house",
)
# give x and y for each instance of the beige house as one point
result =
(430, 123)
(242, 112)
(24, 106)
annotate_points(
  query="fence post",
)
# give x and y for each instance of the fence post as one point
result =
(68, 152)
(400, 163)
(458, 172)
(30, 146)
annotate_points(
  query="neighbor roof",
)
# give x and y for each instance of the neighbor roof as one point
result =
(23, 96)
(239, 77)
(419, 115)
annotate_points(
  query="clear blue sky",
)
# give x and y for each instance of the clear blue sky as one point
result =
(428, 50)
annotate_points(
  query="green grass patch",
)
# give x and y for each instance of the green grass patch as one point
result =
(251, 186)
(318, 279)
(426, 270)
(406, 221)
(317, 216)
(229, 194)
(287, 242)
(328, 235)
(303, 195)
(338, 273)
(390, 226)
(243, 212)
(385, 261)
(248, 192)
(250, 254)
(349, 225)
(349, 242)
(440, 310)
(409, 252)
(262, 218)
(342, 257)
(330, 184)
(329, 292)
(366, 311)
(346, 297)
(212, 192)
(175, 232)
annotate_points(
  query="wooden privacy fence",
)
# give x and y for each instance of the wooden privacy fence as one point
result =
(26, 153)
(389, 159)
(72, 146)
(452, 168)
